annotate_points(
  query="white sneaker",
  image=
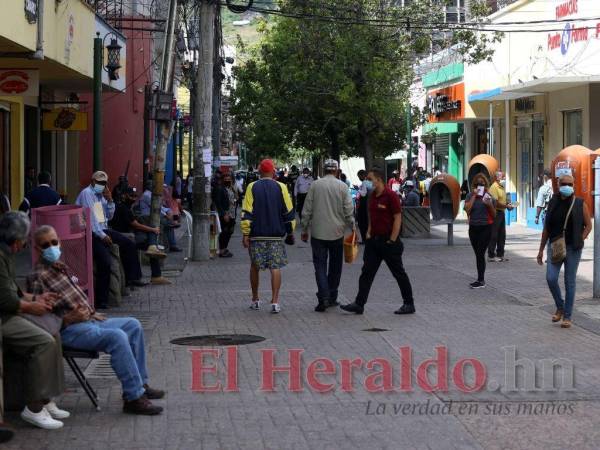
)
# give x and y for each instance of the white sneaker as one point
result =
(255, 305)
(56, 412)
(43, 419)
(275, 308)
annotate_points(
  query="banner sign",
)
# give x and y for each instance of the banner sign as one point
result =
(20, 82)
(65, 119)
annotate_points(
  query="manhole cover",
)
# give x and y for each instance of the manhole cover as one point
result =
(376, 330)
(218, 339)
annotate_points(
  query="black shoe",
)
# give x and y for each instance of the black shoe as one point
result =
(353, 308)
(175, 249)
(321, 307)
(137, 283)
(141, 406)
(333, 303)
(153, 394)
(405, 309)
(477, 285)
(6, 433)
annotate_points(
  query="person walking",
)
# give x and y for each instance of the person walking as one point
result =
(225, 199)
(327, 212)
(383, 244)
(570, 217)
(412, 198)
(498, 238)
(301, 189)
(267, 216)
(362, 210)
(480, 207)
(545, 193)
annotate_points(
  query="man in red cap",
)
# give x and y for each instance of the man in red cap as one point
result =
(267, 217)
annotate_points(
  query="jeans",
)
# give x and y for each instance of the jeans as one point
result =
(480, 236)
(123, 339)
(300, 198)
(103, 259)
(553, 271)
(328, 276)
(377, 250)
(498, 237)
(227, 229)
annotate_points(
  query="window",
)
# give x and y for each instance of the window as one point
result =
(572, 128)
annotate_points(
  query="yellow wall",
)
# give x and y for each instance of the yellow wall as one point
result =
(14, 27)
(565, 100)
(17, 151)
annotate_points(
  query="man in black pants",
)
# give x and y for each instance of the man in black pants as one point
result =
(98, 198)
(383, 244)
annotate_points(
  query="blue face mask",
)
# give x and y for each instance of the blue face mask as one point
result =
(99, 189)
(566, 191)
(51, 254)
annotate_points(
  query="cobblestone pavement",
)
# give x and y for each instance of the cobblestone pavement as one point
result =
(212, 298)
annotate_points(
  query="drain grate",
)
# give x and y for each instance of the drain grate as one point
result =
(376, 330)
(218, 340)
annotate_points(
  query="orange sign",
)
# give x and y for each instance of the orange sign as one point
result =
(447, 104)
(64, 119)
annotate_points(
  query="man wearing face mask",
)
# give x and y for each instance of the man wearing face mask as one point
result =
(83, 328)
(98, 198)
(498, 192)
(301, 188)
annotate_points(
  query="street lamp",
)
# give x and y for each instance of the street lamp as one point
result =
(113, 63)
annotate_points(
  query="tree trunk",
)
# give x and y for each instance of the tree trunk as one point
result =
(335, 146)
(364, 145)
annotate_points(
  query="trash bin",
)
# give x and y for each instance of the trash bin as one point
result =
(72, 224)
(486, 164)
(576, 160)
(444, 197)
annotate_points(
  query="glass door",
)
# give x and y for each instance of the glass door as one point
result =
(524, 178)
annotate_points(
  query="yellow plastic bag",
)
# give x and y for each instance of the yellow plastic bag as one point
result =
(350, 248)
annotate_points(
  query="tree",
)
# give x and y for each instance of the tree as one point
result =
(334, 77)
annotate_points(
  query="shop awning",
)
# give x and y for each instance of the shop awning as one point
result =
(532, 88)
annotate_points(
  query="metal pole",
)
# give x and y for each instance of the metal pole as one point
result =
(507, 143)
(491, 132)
(409, 136)
(165, 127)
(203, 151)
(98, 102)
(181, 135)
(597, 228)
(146, 168)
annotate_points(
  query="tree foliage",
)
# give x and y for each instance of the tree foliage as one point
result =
(334, 77)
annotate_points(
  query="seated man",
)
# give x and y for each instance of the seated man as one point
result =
(42, 195)
(98, 199)
(83, 328)
(124, 221)
(41, 351)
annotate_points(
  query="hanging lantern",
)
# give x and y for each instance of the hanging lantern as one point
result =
(114, 56)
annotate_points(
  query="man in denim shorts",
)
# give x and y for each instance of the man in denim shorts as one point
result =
(267, 217)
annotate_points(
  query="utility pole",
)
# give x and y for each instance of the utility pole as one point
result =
(165, 126)
(147, 101)
(98, 63)
(203, 150)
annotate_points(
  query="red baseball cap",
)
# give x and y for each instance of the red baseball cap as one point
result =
(266, 166)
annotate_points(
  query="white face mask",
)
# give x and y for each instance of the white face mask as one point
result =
(502, 183)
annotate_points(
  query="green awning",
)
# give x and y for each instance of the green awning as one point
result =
(441, 128)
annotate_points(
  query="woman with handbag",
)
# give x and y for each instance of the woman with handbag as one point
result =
(567, 226)
(480, 206)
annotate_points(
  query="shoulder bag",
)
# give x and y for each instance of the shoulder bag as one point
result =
(558, 246)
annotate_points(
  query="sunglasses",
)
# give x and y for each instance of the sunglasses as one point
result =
(101, 183)
(566, 184)
(52, 243)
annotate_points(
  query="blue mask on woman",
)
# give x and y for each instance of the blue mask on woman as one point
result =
(99, 189)
(566, 191)
(51, 254)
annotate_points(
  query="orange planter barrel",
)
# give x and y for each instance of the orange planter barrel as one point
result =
(444, 197)
(486, 164)
(576, 160)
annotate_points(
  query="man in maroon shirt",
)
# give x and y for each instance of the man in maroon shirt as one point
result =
(383, 244)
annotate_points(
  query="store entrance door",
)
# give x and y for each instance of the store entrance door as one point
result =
(524, 178)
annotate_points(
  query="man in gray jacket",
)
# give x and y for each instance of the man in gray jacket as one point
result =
(327, 212)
